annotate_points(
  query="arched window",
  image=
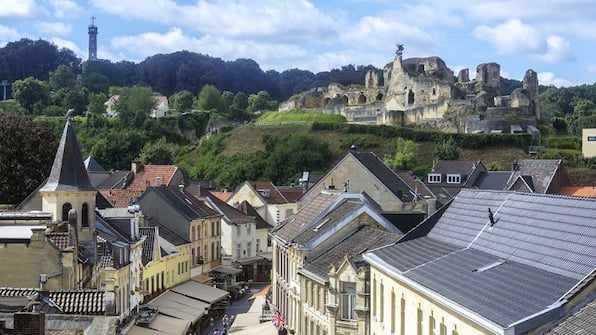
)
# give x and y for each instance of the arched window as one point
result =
(85, 215)
(361, 99)
(379, 96)
(65, 208)
(410, 97)
(344, 99)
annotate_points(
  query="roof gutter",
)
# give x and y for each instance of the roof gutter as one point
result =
(540, 318)
(396, 274)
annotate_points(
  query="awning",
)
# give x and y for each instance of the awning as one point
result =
(180, 306)
(226, 270)
(204, 293)
(248, 261)
(162, 325)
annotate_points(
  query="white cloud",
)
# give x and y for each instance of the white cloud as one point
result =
(62, 43)
(66, 8)
(53, 28)
(513, 37)
(549, 78)
(8, 34)
(17, 9)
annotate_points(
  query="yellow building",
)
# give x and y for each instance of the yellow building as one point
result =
(589, 142)
(491, 262)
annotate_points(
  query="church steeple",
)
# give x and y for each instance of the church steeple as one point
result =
(68, 171)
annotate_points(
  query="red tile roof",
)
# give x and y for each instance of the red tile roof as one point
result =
(60, 239)
(579, 191)
(291, 193)
(274, 196)
(149, 174)
(223, 196)
(121, 198)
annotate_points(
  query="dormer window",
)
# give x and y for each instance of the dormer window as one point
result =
(434, 178)
(264, 192)
(453, 178)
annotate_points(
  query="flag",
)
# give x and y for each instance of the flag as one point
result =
(277, 318)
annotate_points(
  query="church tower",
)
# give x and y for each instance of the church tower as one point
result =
(92, 39)
(68, 187)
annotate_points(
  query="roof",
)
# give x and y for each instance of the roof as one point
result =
(287, 229)
(364, 239)
(268, 192)
(60, 239)
(92, 165)
(385, 174)
(538, 248)
(68, 172)
(233, 215)
(150, 234)
(85, 302)
(260, 223)
(415, 184)
(121, 198)
(152, 175)
(167, 234)
(109, 180)
(579, 191)
(183, 202)
(291, 193)
(492, 180)
(540, 171)
(580, 320)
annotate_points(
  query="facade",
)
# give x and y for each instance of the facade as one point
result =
(269, 201)
(589, 142)
(494, 262)
(188, 217)
(316, 228)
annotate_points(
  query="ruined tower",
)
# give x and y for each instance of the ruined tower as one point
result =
(530, 84)
(92, 39)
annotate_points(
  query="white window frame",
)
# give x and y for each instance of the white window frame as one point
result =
(453, 178)
(434, 178)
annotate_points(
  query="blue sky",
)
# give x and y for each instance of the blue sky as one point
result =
(556, 38)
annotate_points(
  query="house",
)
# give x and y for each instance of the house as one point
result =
(334, 284)
(589, 142)
(313, 232)
(365, 172)
(164, 257)
(494, 262)
(160, 110)
(191, 219)
(447, 178)
(273, 204)
(53, 231)
(263, 244)
(545, 176)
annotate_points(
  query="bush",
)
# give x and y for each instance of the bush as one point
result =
(447, 150)
(360, 141)
(564, 142)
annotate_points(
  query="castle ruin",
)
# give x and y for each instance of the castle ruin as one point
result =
(424, 92)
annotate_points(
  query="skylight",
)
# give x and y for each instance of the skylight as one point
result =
(490, 266)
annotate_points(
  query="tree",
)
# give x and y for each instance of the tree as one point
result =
(77, 99)
(446, 150)
(156, 153)
(29, 92)
(260, 102)
(63, 77)
(210, 100)
(134, 105)
(96, 82)
(27, 149)
(183, 101)
(118, 148)
(405, 155)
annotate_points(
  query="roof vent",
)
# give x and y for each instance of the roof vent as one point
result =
(490, 266)
(353, 147)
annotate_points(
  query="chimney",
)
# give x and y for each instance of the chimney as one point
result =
(181, 188)
(158, 181)
(136, 167)
(514, 166)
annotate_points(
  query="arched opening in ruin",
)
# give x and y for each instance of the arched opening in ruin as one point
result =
(420, 68)
(379, 96)
(325, 102)
(345, 99)
(361, 99)
(371, 82)
(410, 97)
(434, 91)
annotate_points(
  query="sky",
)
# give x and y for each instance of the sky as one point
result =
(555, 38)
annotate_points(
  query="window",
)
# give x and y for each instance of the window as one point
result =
(420, 321)
(348, 301)
(212, 229)
(591, 138)
(248, 228)
(238, 252)
(431, 324)
(392, 312)
(289, 212)
(65, 208)
(205, 254)
(85, 215)
(374, 296)
(258, 245)
(382, 307)
(402, 313)
(434, 178)
(238, 230)
(443, 328)
(453, 178)
(248, 249)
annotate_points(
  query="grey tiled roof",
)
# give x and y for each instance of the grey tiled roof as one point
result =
(388, 177)
(579, 321)
(540, 171)
(288, 228)
(68, 171)
(92, 165)
(84, 302)
(542, 245)
(148, 244)
(492, 180)
(364, 239)
(249, 210)
(232, 214)
(184, 203)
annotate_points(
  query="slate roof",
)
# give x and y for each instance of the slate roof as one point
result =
(232, 214)
(539, 171)
(385, 174)
(150, 234)
(185, 203)
(68, 172)
(541, 246)
(492, 180)
(92, 165)
(249, 210)
(83, 302)
(109, 180)
(364, 239)
(274, 197)
(169, 235)
(287, 229)
(416, 184)
(580, 320)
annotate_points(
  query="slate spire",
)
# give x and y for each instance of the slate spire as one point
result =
(68, 171)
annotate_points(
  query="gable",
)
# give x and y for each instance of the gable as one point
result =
(246, 193)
